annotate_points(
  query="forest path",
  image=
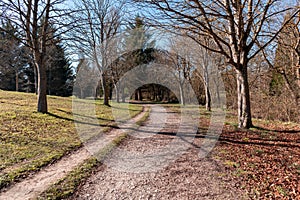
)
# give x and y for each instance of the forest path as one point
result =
(186, 177)
(34, 185)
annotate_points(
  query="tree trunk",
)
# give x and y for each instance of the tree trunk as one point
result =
(42, 86)
(17, 81)
(244, 109)
(168, 96)
(35, 79)
(123, 94)
(293, 88)
(81, 93)
(153, 94)
(182, 100)
(207, 91)
(105, 90)
(117, 92)
(207, 98)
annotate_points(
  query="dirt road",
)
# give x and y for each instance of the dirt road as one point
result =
(187, 177)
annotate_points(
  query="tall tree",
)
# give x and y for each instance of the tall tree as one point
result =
(203, 61)
(60, 74)
(139, 42)
(98, 23)
(13, 57)
(240, 30)
(181, 65)
(84, 87)
(287, 59)
(26, 15)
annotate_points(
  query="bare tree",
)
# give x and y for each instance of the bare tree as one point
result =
(288, 62)
(98, 22)
(179, 60)
(287, 57)
(240, 30)
(206, 63)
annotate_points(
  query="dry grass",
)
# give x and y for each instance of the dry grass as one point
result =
(31, 140)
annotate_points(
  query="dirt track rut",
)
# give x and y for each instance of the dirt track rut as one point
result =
(32, 186)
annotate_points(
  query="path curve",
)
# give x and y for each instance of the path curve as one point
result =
(188, 177)
(32, 186)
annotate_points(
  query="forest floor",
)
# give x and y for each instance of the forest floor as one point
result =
(265, 159)
(260, 163)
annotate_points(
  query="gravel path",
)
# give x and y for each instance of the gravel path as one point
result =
(32, 186)
(187, 177)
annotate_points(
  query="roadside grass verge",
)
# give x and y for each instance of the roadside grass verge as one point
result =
(31, 140)
(67, 185)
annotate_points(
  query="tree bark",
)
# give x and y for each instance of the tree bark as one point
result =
(244, 108)
(42, 85)
(207, 98)
(116, 85)
(182, 100)
(35, 79)
(17, 81)
(123, 94)
(81, 93)
(207, 91)
(105, 90)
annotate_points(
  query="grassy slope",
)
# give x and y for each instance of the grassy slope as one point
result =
(31, 140)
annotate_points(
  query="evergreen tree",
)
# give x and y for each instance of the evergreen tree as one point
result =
(138, 36)
(60, 74)
(13, 58)
(140, 45)
(29, 79)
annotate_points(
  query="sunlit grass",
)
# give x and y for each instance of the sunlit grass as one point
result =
(30, 140)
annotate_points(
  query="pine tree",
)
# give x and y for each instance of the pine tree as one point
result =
(140, 44)
(60, 74)
(13, 58)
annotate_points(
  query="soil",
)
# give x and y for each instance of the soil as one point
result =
(186, 177)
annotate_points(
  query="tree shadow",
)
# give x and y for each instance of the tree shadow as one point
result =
(82, 122)
(80, 115)
(231, 137)
(276, 131)
(234, 139)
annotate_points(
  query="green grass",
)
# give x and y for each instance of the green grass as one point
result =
(31, 140)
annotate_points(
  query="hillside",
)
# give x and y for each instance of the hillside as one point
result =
(31, 140)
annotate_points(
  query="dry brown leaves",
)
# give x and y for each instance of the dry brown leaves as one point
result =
(265, 159)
